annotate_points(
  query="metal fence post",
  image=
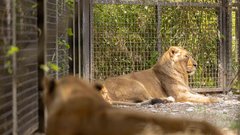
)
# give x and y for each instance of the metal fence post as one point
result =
(71, 41)
(225, 43)
(85, 38)
(76, 40)
(14, 68)
(42, 59)
(238, 36)
(159, 9)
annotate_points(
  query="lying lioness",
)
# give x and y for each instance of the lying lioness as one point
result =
(76, 108)
(167, 78)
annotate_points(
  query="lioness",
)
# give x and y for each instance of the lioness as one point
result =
(76, 108)
(168, 77)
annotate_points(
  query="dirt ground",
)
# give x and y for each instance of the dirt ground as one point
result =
(224, 114)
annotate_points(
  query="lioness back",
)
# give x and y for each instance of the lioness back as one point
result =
(76, 108)
(133, 87)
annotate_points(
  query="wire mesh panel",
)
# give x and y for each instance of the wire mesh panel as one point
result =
(26, 63)
(234, 66)
(62, 42)
(6, 113)
(51, 19)
(196, 29)
(57, 45)
(124, 40)
(130, 36)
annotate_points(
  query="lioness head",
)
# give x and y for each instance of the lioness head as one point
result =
(181, 60)
(58, 91)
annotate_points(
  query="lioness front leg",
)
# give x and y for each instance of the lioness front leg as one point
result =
(195, 98)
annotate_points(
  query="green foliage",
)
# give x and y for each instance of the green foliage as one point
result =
(8, 66)
(196, 29)
(54, 67)
(50, 66)
(45, 68)
(34, 6)
(69, 32)
(12, 50)
(64, 43)
(70, 5)
(126, 39)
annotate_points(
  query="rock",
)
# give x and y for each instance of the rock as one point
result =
(224, 111)
(190, 109)
(230, 93)
(170, 99)
(175, 111)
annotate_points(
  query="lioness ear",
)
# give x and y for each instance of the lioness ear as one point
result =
(49, 85)
(173, 51)
(98, 86)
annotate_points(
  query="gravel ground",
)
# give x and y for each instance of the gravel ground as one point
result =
(223, 115)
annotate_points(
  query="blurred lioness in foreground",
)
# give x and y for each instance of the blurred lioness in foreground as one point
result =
(76, 108)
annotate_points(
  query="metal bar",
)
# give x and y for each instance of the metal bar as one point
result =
(42, 59)
(14, 66)
(56, 45)
(220, 48)
(190, 4)
(91, 34)
(76, 41)
(159, 11)
(155, 2)
(80, 58)
(85, 38)
(204, 90)
(238, 36)
(229, 45)
(71, 42)
(227, 35)
(223, 36)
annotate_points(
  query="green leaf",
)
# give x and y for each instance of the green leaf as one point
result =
(63, 43)
(70, 58)
(8, 66)
(34, 6)
(69, 32)
(45, 68)
(67, 46)
(54, 67)
(12, 50)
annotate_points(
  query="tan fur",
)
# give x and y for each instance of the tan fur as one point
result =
(76, 108)
(168, 77)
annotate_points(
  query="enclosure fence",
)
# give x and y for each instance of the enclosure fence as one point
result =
(131, 35)
(97, 39)
(18, 75)
(19, 59)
